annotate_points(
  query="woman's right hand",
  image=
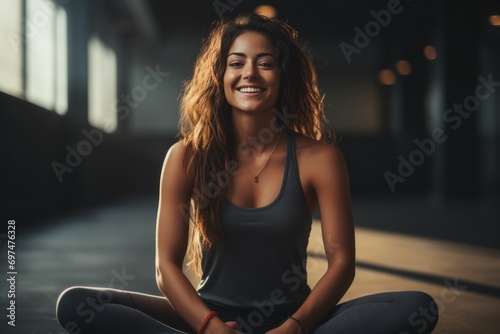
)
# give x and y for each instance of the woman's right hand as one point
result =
(233, 325)
(216, 326)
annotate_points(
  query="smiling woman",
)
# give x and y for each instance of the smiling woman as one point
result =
(253, 105)
(252, 78)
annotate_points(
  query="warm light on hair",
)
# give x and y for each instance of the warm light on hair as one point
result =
(267, 11)
(387, 77)
(430, 52)
(403, 67)
(495, 20)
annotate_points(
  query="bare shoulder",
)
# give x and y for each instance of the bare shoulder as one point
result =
(177, 151)
(175, 154)
(177, 161)
(318, 154)
(323, 167)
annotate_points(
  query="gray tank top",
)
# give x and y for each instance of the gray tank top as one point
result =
(262, 257)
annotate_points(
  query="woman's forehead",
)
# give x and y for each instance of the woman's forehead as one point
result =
(251, 42)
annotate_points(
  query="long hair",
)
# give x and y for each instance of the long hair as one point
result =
(205, 120)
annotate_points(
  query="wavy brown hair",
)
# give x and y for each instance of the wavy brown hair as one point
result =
(205, 121)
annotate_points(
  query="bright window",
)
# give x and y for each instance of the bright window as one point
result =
(11, 48)
(41, 38)
(102, 85)
(46, 55)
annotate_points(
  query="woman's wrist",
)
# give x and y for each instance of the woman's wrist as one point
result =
(209, 317)
(217, 326)
(292, 326)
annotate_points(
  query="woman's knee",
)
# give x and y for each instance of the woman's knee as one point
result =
(80, 302)
(416, 302)
(430, 303)
(425, 313)
(424, 301)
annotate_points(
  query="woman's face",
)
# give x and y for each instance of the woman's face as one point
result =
(252, 76)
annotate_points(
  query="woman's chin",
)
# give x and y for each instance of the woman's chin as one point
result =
(252, 108)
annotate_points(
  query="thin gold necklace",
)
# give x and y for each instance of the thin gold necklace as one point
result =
(256, 176)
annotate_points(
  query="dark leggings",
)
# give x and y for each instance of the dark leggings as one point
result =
(102, 310)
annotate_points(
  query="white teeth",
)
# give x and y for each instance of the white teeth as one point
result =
(251, 90)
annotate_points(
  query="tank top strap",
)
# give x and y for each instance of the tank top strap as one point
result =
(293, 172)
(290, 146)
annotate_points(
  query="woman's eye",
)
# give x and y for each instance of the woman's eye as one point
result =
(238, 64)
(266, 65)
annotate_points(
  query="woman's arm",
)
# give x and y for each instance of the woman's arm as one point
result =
(329, 179)
(172, 232)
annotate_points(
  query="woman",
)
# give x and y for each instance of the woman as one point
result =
(255, 159)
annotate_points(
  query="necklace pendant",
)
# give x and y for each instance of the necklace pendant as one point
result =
(256, 178)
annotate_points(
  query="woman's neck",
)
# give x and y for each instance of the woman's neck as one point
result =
(255, 132)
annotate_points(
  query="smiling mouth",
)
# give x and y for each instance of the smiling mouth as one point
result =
(250, 89)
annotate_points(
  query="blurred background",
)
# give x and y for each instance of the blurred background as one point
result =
(89, 100)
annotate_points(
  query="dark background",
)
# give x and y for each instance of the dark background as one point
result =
(99, 219)
(377, 123)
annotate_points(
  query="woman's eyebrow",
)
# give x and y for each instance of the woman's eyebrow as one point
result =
(259, 55)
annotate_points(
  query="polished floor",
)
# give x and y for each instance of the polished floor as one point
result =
(451, 251)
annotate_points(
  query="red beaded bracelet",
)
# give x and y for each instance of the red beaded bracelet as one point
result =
(205, 322)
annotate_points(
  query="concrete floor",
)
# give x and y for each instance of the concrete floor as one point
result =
(401, 245)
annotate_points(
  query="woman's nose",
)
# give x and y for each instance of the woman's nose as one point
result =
(251, 72)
